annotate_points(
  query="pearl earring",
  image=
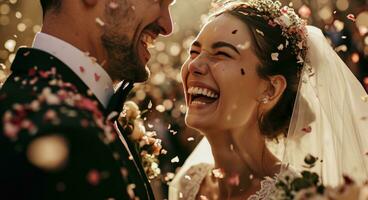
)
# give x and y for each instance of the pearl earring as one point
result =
(265, 100)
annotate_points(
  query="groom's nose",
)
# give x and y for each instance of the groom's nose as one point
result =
(165, 22)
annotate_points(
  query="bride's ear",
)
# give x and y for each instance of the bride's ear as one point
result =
(276, 87)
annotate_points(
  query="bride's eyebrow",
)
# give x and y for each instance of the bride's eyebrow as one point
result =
(220, 44)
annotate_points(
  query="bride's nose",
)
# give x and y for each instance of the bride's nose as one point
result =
(199, 66)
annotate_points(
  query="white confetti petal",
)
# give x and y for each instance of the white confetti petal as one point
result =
(275, 56)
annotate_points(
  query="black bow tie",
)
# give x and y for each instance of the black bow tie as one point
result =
(117, 100)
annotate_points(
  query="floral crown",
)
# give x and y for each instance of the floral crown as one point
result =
(292, 26)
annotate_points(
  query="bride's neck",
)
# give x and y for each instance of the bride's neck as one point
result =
(243, 156)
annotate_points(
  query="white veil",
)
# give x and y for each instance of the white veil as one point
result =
(329, 120)
(329, 117)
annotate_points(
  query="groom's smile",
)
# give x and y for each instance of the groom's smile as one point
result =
(131, 29)
(146, 41)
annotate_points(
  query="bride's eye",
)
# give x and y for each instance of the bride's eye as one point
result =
(221, 53)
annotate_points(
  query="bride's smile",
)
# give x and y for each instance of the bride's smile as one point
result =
(220, 78)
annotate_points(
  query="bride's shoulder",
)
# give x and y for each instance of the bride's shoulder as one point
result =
(189, 182)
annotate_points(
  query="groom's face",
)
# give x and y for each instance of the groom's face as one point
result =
(130, 28)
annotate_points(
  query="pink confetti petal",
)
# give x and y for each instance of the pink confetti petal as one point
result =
(97, 77)
(93, 177)
(81, 69)
(351, 17)
(307, 129)
(234, 180)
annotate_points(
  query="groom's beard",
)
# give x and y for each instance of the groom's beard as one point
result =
(123, 62)
(123, 59)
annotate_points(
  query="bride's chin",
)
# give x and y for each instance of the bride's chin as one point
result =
(198, 123)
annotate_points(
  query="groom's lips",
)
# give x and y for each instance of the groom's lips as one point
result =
(146, 40)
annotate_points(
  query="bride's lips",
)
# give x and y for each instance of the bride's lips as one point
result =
(201, 95)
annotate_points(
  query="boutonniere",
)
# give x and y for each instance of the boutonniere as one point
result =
(146, 142)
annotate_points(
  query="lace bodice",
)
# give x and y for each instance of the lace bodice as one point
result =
(190, 183)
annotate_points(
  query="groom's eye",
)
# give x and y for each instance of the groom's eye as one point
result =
(193, 53)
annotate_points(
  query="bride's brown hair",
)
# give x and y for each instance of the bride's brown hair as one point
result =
(266, 39)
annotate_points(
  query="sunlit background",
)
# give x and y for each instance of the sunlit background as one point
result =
(344, 22)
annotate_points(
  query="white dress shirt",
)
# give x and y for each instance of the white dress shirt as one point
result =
(88, 70)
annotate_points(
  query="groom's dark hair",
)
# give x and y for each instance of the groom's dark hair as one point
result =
(50, 4)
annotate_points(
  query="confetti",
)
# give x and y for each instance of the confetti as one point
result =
(365, 98)
(342, 48)
(259, 32)
(234, 180)
(187, 177)
(218, 173)
(202, 197)
(97, 77)
(280, 47)
(160, 108)
(93, 177)
(169, 176)
(173, 132)
(100, 22)
(242, 71)
(244, 46)
(351, 17)
(149, 105)
(307, 129)
(113, 5)
(81, 69)
(275, 56)
(190, 139)
(130, 190)
(175, 160)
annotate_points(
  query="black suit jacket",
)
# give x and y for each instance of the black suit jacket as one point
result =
(55, 142)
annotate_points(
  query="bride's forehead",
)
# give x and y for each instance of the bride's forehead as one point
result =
(224, 27)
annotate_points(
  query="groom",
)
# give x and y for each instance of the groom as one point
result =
(58, 136)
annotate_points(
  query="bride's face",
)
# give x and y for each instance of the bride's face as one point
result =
(220, 80)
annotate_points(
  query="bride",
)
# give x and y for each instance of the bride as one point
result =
(257, 74)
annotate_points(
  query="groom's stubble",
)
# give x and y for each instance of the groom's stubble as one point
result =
(123, 61)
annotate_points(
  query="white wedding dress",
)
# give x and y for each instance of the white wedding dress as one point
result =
(191, 181)
(187, 182)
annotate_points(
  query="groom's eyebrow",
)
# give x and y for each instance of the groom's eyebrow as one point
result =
(220, 44)
(197, 44)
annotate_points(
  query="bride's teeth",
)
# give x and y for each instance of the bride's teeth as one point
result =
(202, 91)
(190, 90)
(198, 102)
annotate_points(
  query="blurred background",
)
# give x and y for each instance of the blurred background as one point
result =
(344, 22)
